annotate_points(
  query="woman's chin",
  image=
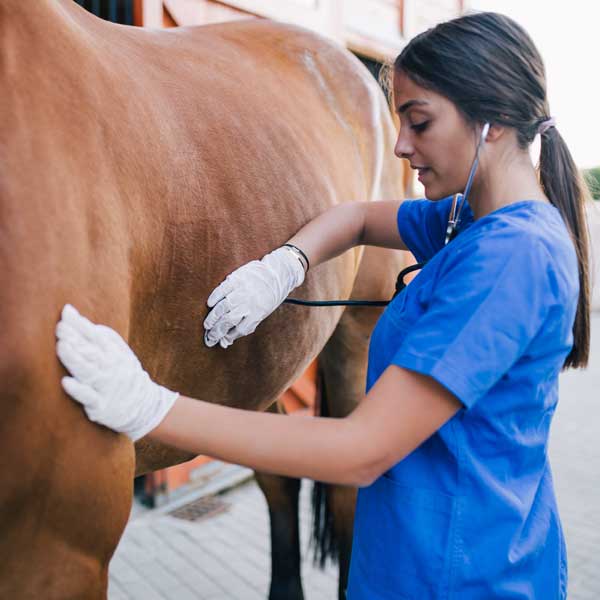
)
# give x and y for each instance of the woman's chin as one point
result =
(434, 193)
(431, 193)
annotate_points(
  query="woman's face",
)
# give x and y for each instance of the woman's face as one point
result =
(434, 137)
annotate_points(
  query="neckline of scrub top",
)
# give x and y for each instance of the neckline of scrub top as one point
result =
(517, 204)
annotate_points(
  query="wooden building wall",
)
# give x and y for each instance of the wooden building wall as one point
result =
(376, 29)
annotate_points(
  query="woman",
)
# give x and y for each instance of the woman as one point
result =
(449, 445)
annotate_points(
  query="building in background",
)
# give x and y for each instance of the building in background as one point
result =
(374, 29)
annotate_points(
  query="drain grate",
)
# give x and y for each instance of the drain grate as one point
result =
(202, 508)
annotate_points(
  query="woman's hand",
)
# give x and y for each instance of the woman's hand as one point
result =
(249, 295)
(107, 377)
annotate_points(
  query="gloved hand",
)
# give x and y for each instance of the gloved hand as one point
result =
(250, 294)
(107, 377)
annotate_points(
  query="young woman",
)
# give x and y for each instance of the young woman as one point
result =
(449, 446)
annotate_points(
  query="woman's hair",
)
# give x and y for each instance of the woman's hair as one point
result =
(488, 66)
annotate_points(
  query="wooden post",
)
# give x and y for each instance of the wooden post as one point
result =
(401, 19)
(137, 13)
(148, 13)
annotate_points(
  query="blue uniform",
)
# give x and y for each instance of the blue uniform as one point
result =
(471, 513)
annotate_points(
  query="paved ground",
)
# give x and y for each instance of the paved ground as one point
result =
(575, 457)
(222, 558)
(226, 557)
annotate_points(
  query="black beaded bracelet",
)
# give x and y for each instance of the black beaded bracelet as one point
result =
(302, 253)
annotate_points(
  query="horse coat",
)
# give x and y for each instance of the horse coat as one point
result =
(137, 169)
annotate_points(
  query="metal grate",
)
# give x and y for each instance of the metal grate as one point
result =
(117, 11)
(202, 508)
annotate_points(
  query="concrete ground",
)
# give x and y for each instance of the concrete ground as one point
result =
(226, 557)
(575, 458)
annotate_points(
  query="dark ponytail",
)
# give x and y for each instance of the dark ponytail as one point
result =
(488, 66)
(563, 184)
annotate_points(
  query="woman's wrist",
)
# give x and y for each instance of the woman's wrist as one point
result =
(300, 255)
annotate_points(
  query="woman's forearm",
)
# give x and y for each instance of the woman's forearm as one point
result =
(332, 233)
(318, 448)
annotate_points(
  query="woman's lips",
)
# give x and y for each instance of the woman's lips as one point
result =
(422, 171)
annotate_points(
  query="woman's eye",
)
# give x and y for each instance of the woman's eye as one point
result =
(420, 127)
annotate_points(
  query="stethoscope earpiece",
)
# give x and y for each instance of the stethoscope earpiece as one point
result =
(485, 131)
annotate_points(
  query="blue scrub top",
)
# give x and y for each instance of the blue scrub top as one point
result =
(471, 513)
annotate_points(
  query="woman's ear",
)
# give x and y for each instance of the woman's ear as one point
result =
(496, 131)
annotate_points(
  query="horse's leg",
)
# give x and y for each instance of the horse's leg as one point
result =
(342, 370)
(70, 487)
(282, 494)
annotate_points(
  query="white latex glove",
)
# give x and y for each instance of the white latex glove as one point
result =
(107, 377)
(250, 294)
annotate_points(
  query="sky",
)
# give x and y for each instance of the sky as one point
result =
(567, 35)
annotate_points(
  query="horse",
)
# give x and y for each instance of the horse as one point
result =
(137, 169)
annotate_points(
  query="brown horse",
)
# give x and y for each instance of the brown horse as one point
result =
(137, 169)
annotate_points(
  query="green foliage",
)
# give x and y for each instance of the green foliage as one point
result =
(592, 178)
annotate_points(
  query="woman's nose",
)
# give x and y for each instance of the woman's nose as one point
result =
(403, 147)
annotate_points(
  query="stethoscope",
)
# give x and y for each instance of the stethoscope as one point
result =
(458, 201)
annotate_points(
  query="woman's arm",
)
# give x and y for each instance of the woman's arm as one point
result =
(401, 411)
(253, 291)
(353, 224)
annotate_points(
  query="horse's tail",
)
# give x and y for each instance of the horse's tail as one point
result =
(323, 539)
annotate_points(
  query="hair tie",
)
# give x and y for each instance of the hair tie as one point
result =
(545, 125)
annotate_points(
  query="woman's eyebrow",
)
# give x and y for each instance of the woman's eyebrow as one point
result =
(410, 103)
